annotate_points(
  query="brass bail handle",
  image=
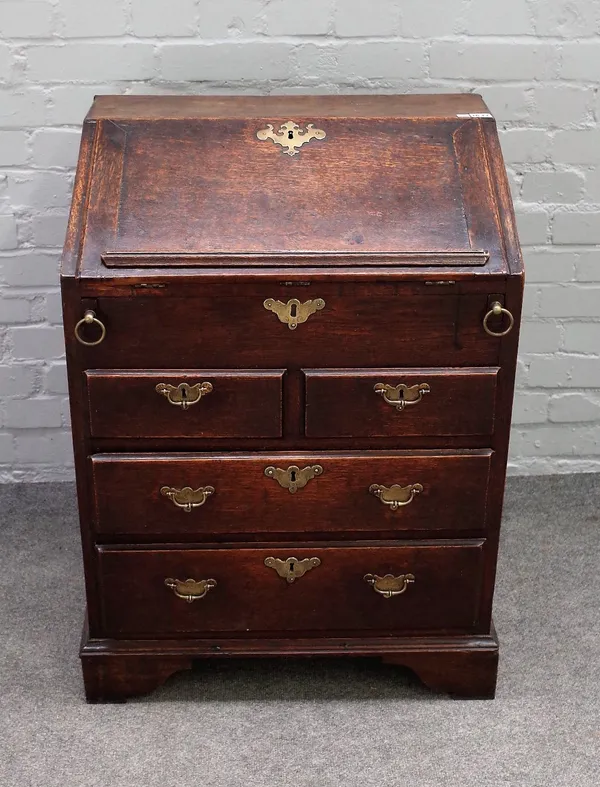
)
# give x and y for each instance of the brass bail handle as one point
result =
(497, 310)
(89, 318)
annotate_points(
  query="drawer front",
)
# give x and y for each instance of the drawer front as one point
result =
(334, 588)
(185, 403)
(400, 402)
(252, 495)
(380, 326)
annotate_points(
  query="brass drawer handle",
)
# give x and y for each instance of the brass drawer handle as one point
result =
(496, 310)
(190, 589)
(187, 498)
(291, 568)
(184, 395)
(395, 495)
(89, 318)
(401, 396)
(293, 478)
(293, 312)
(389, 585)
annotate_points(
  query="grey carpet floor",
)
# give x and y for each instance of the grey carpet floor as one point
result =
(317, 723)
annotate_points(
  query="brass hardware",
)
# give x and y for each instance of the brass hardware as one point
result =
(187, 498)
(184, 395)
(496, 310)
(289, 135)
(293, 312)
(292, 569)
(190, 589)
(401, 396)
(389, 585)
(396, 496)
(293, 478)
(89, 318)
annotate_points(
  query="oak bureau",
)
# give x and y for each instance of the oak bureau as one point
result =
(291, 328)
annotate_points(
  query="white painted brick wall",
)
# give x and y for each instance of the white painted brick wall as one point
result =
(536, 62)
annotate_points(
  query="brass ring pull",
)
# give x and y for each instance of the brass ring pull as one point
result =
(187, 498)
(89, 318)
(496, 310)
(190, 589)
(396, 496)
(184, 395)
(389, 585)
(401, 396)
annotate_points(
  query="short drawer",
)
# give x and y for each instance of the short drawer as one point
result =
(310, 589)
(186, 403)
(264, 496)
(400, 402)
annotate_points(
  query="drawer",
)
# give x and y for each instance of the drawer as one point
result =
(207, 496)
(185, 403)
(400, 402)
(378, 325)
(241, 590)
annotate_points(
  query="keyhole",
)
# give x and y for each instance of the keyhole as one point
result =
(293, 310)
(293, 475)
(183, 394)
(290, 135)
(292, 566)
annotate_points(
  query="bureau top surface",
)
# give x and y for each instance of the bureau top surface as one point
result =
(196, 183)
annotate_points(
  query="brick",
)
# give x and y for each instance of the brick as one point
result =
(570, 300)
(577, 146)
(39, 190)
(37, 341)
(539, 337)
(573, 407)
(532, 226)
(523, 145)
(230, 61)
(530, 408)
(567, 18)
(33, 413)
(54, 447)
(56, 147)
(8, 232)
(229, 18)
(50, 230)
(23, 108)
(13, 148)
(512, 17)
(502, 61)
(315, 61)
(560, 105)
(7, 450)
(6, 62)
(564, 371)
(562, 187)
(381, 60)
(581, 60)
(56, 379)
(506, 102)
(377, 18)
(592, 185)
(530, 300)
(579, 228)
(587, 265)
(549, 441)
(17, 380)
(30, 270)
(582, 337)
(14, 310)
(88, 18)
(548, 266)
(175, 18)
(24, 19)
(311, 17)
(53, 308)
(418, 21)
(69, 103)
(90, 62)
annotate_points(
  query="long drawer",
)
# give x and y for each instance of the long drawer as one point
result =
(412, 587)
(258, 496)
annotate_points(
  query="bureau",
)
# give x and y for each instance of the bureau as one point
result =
(291, 331)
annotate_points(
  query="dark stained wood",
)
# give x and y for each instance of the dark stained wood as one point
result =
(248, 503)
(343, 403)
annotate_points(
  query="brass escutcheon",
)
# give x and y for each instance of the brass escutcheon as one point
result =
(290, 136)
(401, 396)
(395, 495)
(293, 313)
(190, 589)
(389, 585)
(186, 497)
(184, 395)
(291, 568)
(293, 478)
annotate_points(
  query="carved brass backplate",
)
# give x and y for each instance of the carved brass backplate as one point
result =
(395, 495)
(290, 136)
(389, 585)
(293, 312)
(190, 589)
(184, 395)
(186, 497)
(292, 569)
(401, 396)
(293, 478)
